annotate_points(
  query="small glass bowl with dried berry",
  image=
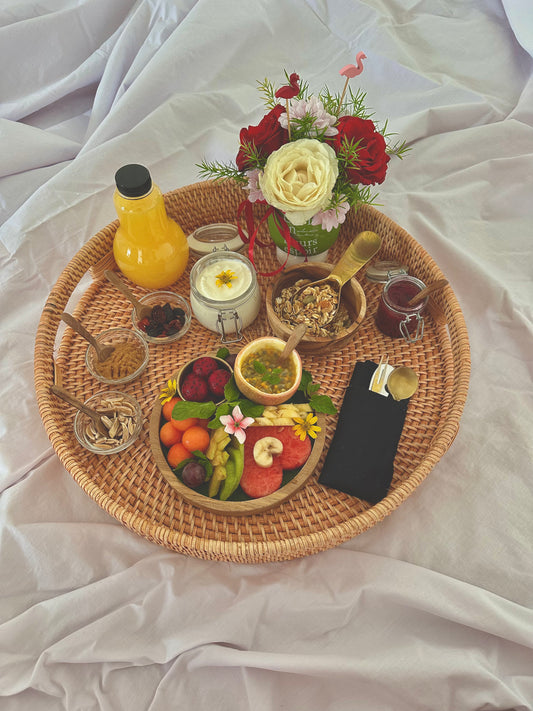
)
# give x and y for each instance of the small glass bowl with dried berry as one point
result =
(169, 318)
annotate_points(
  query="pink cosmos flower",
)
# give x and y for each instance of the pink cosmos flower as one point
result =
(236, 423)
(312, 107)
(329, 219)
(253, 186)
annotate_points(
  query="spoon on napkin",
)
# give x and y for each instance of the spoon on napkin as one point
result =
(402, 383)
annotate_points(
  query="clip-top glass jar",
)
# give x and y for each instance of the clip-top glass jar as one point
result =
(394, 316)
(225, 295)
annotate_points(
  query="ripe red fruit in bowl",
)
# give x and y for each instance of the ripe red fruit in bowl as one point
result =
(194, 388)
(217, 381)
(205, 366)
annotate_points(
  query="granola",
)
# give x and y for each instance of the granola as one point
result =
(313, 306)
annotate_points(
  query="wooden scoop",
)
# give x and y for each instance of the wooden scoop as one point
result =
(102, 352)
(440, 284)
(95, 416)
(293, 340)
(361, 250)
(141, 310)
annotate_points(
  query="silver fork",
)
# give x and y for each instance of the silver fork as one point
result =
(378, 379)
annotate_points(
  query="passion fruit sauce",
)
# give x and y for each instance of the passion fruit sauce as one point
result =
(263, 370)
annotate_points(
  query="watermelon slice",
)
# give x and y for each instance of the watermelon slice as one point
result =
(259, 481)
(295, 451)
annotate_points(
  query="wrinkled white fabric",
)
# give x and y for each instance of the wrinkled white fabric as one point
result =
(433, 607)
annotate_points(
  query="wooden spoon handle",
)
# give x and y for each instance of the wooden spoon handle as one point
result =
(119, 284)
(440, 284)
(293, 340)
(76, 326)
(67, 397)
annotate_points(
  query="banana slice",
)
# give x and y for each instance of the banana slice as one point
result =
(265, 449)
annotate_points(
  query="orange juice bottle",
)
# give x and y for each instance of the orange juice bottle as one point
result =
(149, 247)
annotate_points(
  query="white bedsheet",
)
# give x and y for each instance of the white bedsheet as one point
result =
(432, 609)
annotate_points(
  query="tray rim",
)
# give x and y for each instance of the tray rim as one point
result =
(87, 258)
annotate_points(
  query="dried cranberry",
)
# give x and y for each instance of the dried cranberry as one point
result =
(143, 324)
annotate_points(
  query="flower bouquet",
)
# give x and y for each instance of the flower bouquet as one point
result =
(311, 159)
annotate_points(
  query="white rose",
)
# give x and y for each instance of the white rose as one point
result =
(299, 177)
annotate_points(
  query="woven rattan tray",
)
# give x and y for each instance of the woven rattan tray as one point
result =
(130, 486)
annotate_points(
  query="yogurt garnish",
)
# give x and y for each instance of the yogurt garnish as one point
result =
(224, 280)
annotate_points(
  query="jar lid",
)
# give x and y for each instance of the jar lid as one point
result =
(218, 235)
(133, 180)
(384, 270)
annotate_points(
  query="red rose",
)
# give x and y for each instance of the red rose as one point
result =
(371, 161)
(267, 137)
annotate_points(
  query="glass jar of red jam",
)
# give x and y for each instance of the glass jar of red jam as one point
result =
(394, 317)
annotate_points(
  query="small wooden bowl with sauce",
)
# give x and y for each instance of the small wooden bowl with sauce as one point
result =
(352, 297)
(265, 393)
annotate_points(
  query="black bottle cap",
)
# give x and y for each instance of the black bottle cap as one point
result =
(133, 180)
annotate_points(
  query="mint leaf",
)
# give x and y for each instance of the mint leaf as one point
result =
(306, 380)
(250, 409)
(323, 403)
(259, 367)
(185, 409)
(231, 392)
(222, 353)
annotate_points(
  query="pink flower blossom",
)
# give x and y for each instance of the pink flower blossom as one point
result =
(236, 423)
(330, 219)
(253, 186)
(312, 107)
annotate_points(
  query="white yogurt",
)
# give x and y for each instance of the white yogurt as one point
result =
(218, 306)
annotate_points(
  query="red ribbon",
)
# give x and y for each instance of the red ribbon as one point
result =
(246, 207)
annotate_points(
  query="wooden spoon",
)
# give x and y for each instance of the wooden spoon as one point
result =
(95, 416)
(141, 310)
(440, 284)
(359, 252)
(102, 352)
(293, 340)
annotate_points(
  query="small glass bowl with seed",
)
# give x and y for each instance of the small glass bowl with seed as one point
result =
(128, 360)
(122, 423)
(168, 320)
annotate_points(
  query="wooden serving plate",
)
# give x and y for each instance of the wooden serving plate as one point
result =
(352, 295)
(233, 507)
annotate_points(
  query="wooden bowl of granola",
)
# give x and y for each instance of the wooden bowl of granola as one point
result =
(281, 307)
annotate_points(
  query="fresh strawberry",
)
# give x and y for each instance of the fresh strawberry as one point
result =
(194, 388)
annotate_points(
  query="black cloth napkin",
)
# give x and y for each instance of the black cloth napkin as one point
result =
(361, 456)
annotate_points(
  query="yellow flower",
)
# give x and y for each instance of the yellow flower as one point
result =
(306, 427)
(169, 392)
(225, 278)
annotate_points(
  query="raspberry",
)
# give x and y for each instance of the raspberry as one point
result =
(204, 366)
(194, 388)
(217, 381)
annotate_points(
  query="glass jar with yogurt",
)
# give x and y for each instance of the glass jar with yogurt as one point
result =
(225, 295)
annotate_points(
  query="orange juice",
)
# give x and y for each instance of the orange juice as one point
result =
(149, 248)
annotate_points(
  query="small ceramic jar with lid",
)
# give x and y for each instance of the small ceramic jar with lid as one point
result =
(225, 295)
(395, 317)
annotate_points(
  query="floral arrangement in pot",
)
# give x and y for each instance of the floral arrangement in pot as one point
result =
(311, 159)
